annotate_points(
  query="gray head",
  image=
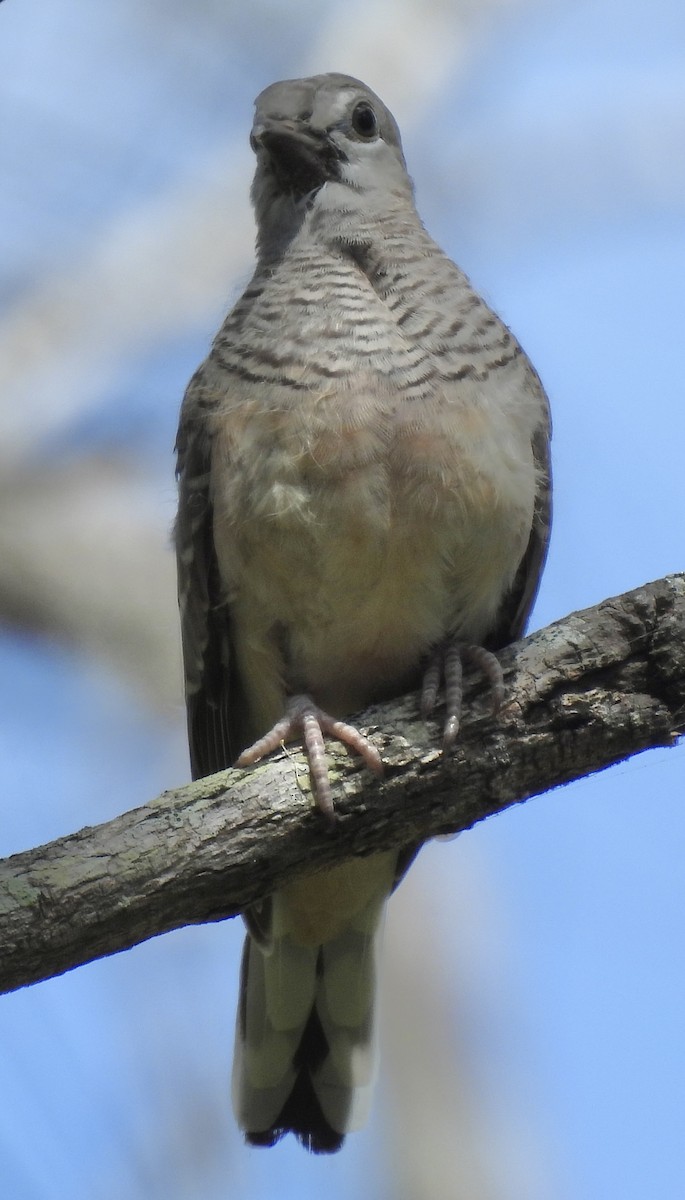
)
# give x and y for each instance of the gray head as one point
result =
(328, 129)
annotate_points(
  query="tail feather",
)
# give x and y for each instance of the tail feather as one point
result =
(301, 1112)
(305, 1057)
(346, 1006)
(276, 995)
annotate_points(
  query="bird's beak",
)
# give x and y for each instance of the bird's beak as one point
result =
(302, 159)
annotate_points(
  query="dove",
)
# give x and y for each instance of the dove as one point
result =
(364, 508)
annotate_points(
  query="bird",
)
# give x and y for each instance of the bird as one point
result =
(363, 465)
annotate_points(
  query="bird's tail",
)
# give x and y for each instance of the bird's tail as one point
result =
(305, 1048)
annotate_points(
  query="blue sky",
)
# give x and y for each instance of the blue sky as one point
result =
(548, 159)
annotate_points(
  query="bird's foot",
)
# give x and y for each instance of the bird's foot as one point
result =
(447, 663)
(304, 719)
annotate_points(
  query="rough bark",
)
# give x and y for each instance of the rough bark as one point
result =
(582, 694)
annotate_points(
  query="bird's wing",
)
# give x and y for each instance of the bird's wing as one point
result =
(211, 683)
(517, 605)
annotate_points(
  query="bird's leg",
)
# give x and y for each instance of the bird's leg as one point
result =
(304, 719)
(446, 663)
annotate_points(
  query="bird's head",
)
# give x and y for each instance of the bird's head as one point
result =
(328, 129)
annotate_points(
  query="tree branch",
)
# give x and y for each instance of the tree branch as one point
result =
(582, 694)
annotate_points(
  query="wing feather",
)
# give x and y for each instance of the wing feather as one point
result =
(212, 687)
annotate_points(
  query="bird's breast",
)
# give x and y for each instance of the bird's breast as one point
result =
(357, 530)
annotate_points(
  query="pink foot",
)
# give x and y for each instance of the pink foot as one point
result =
(303, 718)
(447, 663)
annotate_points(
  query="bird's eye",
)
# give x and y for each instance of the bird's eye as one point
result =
(364, 121)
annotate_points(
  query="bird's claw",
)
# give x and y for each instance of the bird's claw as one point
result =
(304, 719)
(446, 665)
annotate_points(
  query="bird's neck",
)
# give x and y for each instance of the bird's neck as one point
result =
(365, 225)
